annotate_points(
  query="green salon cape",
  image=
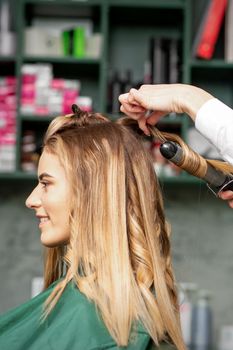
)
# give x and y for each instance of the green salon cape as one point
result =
(73, 325)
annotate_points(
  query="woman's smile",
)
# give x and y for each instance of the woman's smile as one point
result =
(43, 220)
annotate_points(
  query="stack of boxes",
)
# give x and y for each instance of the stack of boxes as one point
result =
(42, 94)
(7, 123)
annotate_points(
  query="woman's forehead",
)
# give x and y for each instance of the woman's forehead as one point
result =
(49, 163)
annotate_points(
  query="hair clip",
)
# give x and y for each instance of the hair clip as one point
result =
(76, 110)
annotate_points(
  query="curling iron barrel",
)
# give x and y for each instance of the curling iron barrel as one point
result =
(174, 153)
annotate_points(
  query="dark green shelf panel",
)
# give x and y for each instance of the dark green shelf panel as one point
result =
(65, 60)
(170, 4)
(36, 118)
(212, 64)
(152, 3)
(7, 59)
(181, 179)
(18, 175)
(65, 2)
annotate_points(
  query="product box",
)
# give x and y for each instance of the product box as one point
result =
(42, 42)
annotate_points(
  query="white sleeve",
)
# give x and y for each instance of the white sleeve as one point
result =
(214, 121)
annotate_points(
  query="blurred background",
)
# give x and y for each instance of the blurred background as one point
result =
(54, 53)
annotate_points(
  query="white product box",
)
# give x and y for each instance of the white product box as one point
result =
(42, 42)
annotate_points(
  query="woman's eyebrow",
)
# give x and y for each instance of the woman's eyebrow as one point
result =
(41, 176)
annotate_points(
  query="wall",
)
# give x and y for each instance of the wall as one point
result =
(202, 244)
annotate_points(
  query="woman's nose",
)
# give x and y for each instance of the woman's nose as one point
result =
(33, 201)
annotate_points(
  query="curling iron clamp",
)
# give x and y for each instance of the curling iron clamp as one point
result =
(216, 180)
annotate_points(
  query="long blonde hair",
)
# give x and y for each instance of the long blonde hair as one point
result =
(119, 249)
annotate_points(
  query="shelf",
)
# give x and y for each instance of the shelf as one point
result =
(7, 58)
(181, 179)
(18, 175)
(36, 118)
(65, 2)
(152, 3)
(212, 64)
(63, 60)
(170, 4)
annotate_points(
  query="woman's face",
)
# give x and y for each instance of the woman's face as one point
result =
(50, 199)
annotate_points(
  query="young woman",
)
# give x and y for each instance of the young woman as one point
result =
(109, 282)
(108, 277)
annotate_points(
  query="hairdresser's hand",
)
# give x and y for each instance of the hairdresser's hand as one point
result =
(227, 196)
(161, 100)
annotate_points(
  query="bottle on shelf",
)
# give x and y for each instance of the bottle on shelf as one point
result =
(109, 91)
(202, 322)
(118, 83)
(128, 81)
(116, 87)
(7, 37)
(147, 72)
(186, 301)
(29, 156)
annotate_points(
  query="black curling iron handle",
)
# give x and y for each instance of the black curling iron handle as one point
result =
(174, 153)
(228, 186)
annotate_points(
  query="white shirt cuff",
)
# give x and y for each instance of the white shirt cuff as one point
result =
(214, 120)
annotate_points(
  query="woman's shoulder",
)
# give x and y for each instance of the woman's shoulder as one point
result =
(86, 325)
(74, 323)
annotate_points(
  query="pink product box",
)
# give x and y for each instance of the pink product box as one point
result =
(27, 109)
(28, 95)
(8, 103)
(7, 114)
(28, 91)
(69, 97)
(8, 108)
(28, 78)
(27, 102)
(7, 139)
(41, 110)
(8, 128)
(7, 90)
(8, 125)
(11, 102)
(57, 84)
(66, 109)
(62, 84)
(70, 94)
(10, 80)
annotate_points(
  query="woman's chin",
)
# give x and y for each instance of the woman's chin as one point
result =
(48, 240)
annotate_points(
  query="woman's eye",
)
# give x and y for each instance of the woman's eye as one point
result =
(44, 184)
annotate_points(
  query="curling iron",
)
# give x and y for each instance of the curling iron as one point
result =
(215, 179)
